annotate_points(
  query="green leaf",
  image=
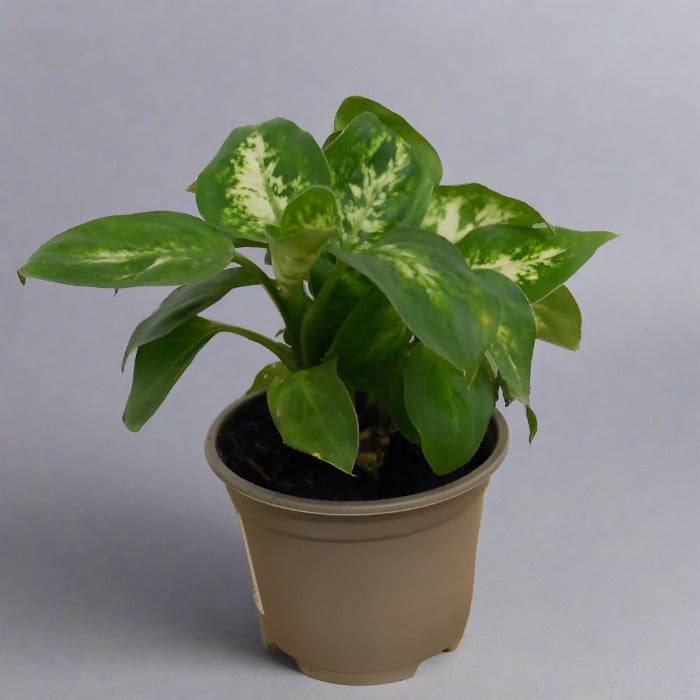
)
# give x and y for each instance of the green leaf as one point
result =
(508, 398)
(558, 319)
(396, 404)
(455, 210)
(368, 343)
(256, 173)
(450, 415)
(267, 375)
(331, 137)
(348, 290)
(353, 106)
(511, 349)
(309, 220)
(133, 250)
(160, 363)
(531, 422)
(315, 209)
(351, 286)
(315, 414)
(537, 259)
(184, 303)
(439, 298)
(378, 180)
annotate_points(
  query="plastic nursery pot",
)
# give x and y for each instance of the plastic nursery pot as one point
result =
(360, 593)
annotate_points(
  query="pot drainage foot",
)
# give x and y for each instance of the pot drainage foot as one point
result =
(391, 675)
(267, 642)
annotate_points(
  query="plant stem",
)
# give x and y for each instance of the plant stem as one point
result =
(282, 351)
(308, 334)
(269, 284)
(289, 309)
(293, 299)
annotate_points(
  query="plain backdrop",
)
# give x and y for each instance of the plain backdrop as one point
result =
(122, 570)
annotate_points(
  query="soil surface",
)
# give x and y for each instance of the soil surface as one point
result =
(250, 445)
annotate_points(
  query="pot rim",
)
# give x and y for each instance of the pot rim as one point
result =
(382, 506)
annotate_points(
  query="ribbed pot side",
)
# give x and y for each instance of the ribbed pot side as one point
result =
(360, 593)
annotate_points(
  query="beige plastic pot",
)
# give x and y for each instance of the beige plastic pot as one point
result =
(360, 593)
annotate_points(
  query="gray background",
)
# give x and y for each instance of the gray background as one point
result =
(122, 571)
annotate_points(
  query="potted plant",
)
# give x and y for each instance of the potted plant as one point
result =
(358, 460)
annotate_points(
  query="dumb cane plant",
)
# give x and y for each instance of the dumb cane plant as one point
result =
(428, 298)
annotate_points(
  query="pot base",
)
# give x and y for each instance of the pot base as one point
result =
(391, 675)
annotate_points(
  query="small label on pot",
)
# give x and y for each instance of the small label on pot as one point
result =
(254, 581)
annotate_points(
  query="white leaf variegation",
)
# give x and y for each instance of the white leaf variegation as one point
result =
(455, 210)
(315, 209)
(255, 174)
(309, 220)
(537, 259)
(378, 179)
(133, 250)
(512, 348)
(423, 151)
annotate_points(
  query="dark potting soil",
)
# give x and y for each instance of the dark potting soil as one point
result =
(250, 445)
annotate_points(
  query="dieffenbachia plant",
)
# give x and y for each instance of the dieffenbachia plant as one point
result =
(426, 297)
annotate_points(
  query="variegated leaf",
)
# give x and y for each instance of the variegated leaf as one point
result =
(329, 140)
(256, 173)
(309, 220)
(511, 349)
(132, 250)
(378, 180)
(537, 259)
(184, 303)
(508, 398)
(455, 210)
(351, 107)
(315, 209)
(315, 414)
(293, 257)
(368, 343)
(450, 414)
(558, 319)
(439, 298)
